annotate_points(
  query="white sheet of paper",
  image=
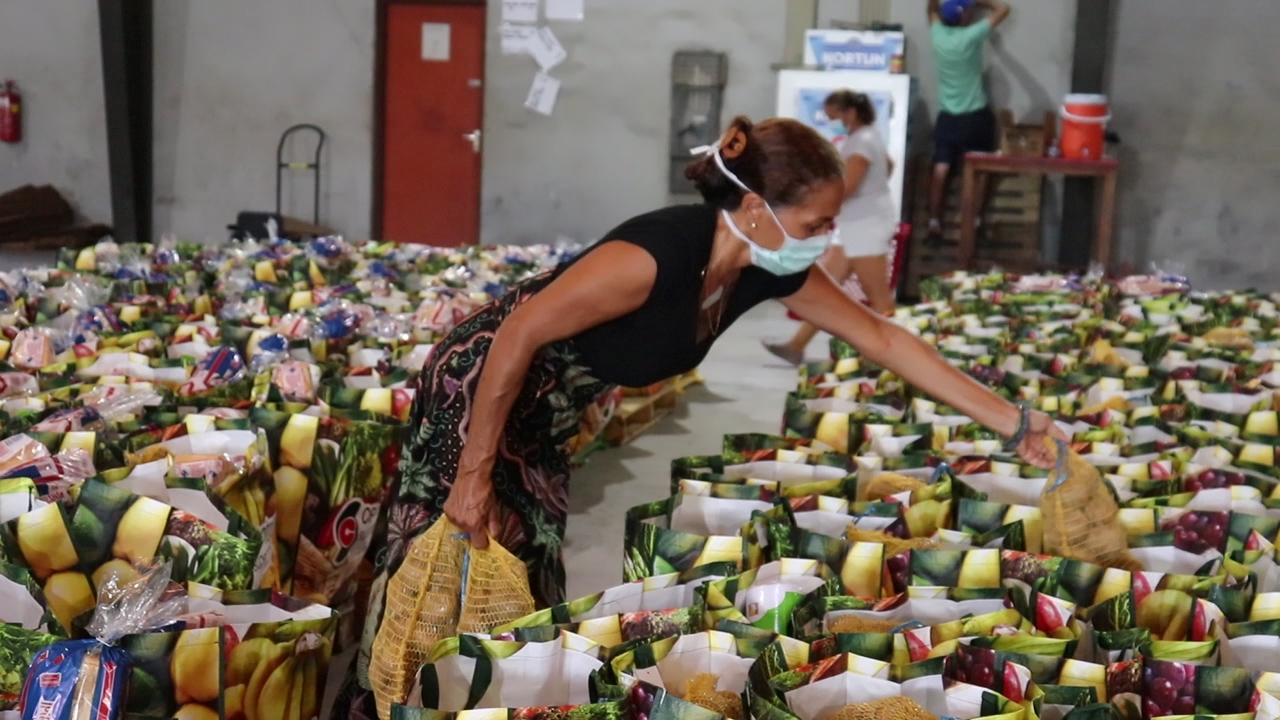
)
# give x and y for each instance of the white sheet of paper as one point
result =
(520, 11)
(543, 94)
(435, 42)
(565, 9)
(516, 39)
(546, 49)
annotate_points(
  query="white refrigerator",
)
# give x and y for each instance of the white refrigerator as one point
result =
(802, 93)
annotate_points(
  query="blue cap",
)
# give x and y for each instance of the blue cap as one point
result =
(952, 11)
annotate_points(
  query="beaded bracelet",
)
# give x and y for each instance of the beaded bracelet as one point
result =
(1024, 425)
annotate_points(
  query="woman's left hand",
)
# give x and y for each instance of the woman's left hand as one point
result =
(1033, 449)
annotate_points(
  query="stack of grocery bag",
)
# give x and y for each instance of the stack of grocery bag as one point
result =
(883, 555)
(198, 444)
(196, 447)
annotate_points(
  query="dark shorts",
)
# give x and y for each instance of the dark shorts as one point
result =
(956, 135)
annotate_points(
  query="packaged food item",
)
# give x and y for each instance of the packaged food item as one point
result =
(88, 679)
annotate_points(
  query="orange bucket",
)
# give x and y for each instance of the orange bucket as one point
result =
(1084, 126)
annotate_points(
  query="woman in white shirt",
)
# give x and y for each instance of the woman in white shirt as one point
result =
(867, 220)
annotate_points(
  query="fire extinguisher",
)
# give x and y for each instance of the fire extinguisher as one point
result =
(10, 113)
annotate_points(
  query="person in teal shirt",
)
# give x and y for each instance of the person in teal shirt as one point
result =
(959, 30)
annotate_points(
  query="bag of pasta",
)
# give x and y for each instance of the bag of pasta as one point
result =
(1081, 518)
(443, 588)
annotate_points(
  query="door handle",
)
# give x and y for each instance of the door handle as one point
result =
(474, 138)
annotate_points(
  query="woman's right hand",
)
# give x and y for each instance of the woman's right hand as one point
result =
(473, 507)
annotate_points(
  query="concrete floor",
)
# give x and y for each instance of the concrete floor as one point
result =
(743, 392)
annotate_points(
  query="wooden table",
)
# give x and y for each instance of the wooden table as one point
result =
(1105, 169)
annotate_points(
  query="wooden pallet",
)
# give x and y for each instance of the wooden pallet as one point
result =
(639, 413)
(683, 382)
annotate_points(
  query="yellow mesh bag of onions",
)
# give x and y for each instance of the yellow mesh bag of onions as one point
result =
(443, 588)
(1081, 518)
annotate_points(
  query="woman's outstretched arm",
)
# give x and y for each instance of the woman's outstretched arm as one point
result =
(886, 344)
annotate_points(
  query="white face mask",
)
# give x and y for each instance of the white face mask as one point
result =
(794, 256)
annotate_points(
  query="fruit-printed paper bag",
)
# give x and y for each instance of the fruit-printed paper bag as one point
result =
(833, 422)
(653, 607)
(1165, 624)
(823, 688)
(1145, 688)
(591, 711)
(232, 463)
(705, 663)
(22, 603)
(247, 655)
(1050, 632)
(824, 611)
(17, 496)
(1252, 635)
(468, 673)
(72, 550)
(787, 472)
(766, 596)
(330, 480)
(655, 544)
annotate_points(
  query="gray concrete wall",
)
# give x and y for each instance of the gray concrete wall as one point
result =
(51, 48)
(603, 156)
(1195, 98)
(231, 76)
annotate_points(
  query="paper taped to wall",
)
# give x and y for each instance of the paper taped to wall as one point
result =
(520, 11)
(517, 39)
(546, 49)
(543, 94)
(435, 42)
(565, 9)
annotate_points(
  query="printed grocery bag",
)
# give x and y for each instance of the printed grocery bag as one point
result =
(704, 669)
(231, 463)
(653, 607)
(789, 473)
(17, 497)
(71, 551)
(1039, 626)
(330, 481)
(592, 711)
(469, 673)
(1164, 624)
(661, 539)
(275, 654)
(1252, 634)
(834, 422)
(766, 596)
(826, 610)
(828, 687)
(1145, 688)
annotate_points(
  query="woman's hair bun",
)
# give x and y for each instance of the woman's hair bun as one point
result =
(779, 159)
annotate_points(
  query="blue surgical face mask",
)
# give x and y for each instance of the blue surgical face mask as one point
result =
(794, 256)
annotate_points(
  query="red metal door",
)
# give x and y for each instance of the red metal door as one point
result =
(432, 112)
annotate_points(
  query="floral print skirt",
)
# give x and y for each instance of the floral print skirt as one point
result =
(530, 474)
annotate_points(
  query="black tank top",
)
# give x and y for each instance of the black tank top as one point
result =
(659, 340)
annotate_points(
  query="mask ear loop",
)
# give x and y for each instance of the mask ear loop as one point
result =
(713, 151)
